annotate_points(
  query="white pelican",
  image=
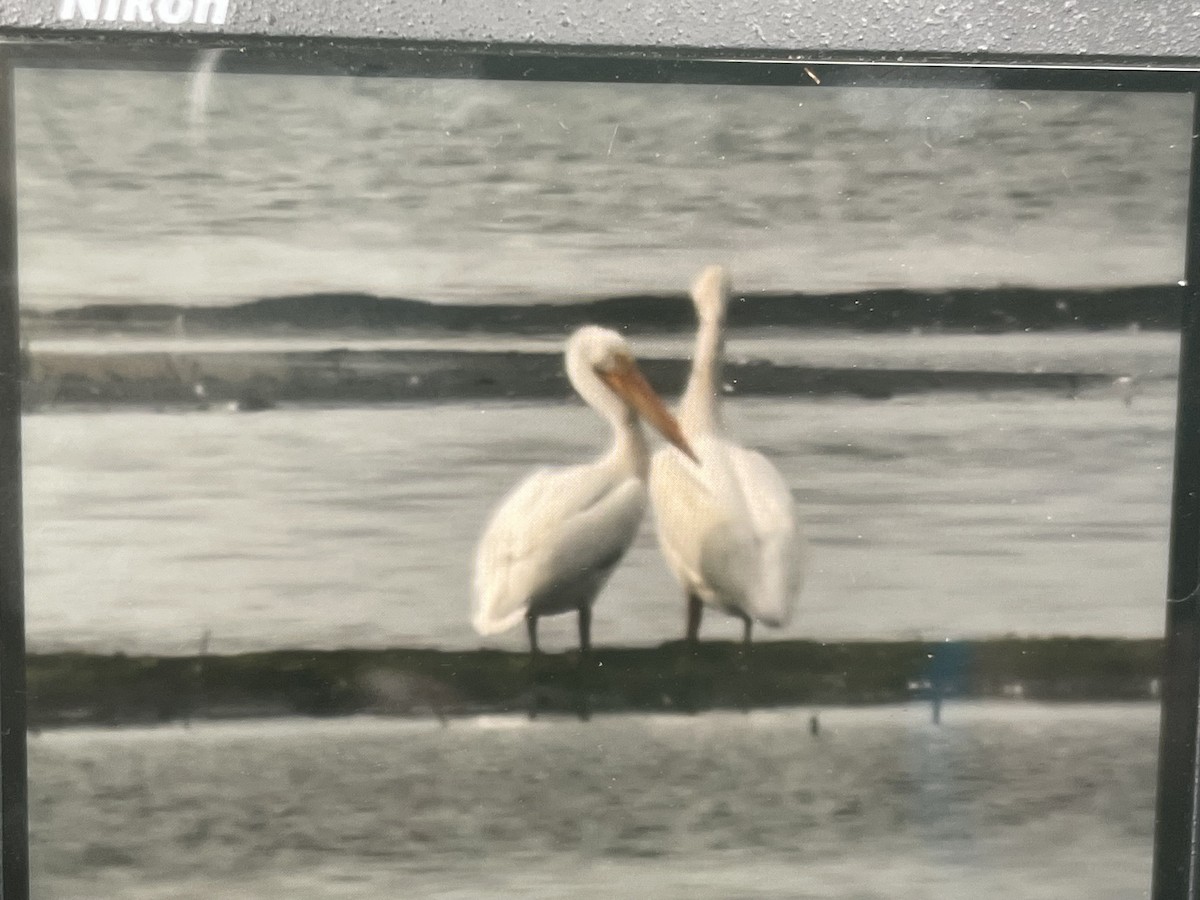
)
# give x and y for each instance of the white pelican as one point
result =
(554, 540)
(727, 523)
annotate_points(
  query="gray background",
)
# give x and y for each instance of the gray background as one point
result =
(1167, 28)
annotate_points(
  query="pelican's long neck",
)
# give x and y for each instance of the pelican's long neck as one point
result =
(629, 451)
(700, 408)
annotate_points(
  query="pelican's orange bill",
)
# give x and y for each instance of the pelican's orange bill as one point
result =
(628, 382)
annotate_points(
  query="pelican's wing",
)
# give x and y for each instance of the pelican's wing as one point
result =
(728, 528)
(779, 545)
(685, 513)
(553, 542)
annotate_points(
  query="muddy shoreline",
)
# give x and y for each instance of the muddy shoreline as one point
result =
(91, 689)
(387, 376)
(975, 310)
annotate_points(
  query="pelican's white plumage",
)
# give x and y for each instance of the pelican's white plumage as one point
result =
(553, 542)
(727, 525)
(555, 539)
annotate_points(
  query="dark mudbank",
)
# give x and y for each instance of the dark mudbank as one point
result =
(995, 309)
(390, 376)
(76, 688)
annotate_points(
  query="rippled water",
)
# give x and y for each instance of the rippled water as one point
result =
(179, 191)
(938, 515)
(1147, 356)
(1046, 803)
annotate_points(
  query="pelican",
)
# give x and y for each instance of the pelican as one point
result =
(726, 521)
(554, 540)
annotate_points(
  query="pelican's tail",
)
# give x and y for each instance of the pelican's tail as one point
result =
(498, 597)
(781, 576)
(487, 623)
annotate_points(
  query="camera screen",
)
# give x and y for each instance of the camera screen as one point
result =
(452, 487)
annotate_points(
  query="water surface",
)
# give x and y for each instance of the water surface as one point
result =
(944, 515)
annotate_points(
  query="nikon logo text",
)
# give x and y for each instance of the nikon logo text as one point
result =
(167, 12)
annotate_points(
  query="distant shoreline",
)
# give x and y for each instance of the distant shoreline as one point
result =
(92, 689)
(978, 310)
(263, 379)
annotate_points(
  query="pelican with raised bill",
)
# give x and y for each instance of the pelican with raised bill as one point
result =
(726, 521)
(555, 539)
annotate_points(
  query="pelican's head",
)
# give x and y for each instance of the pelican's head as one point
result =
(710, 292)
(600, 349)
(603, 370)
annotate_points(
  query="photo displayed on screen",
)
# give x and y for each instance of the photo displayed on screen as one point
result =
(477, 488)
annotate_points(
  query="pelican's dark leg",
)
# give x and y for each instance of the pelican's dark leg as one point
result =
(531, 628)
(744, 661)
(695, 611)
(585, 632)
(747, 623)
(584, 671)
(534, 687)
